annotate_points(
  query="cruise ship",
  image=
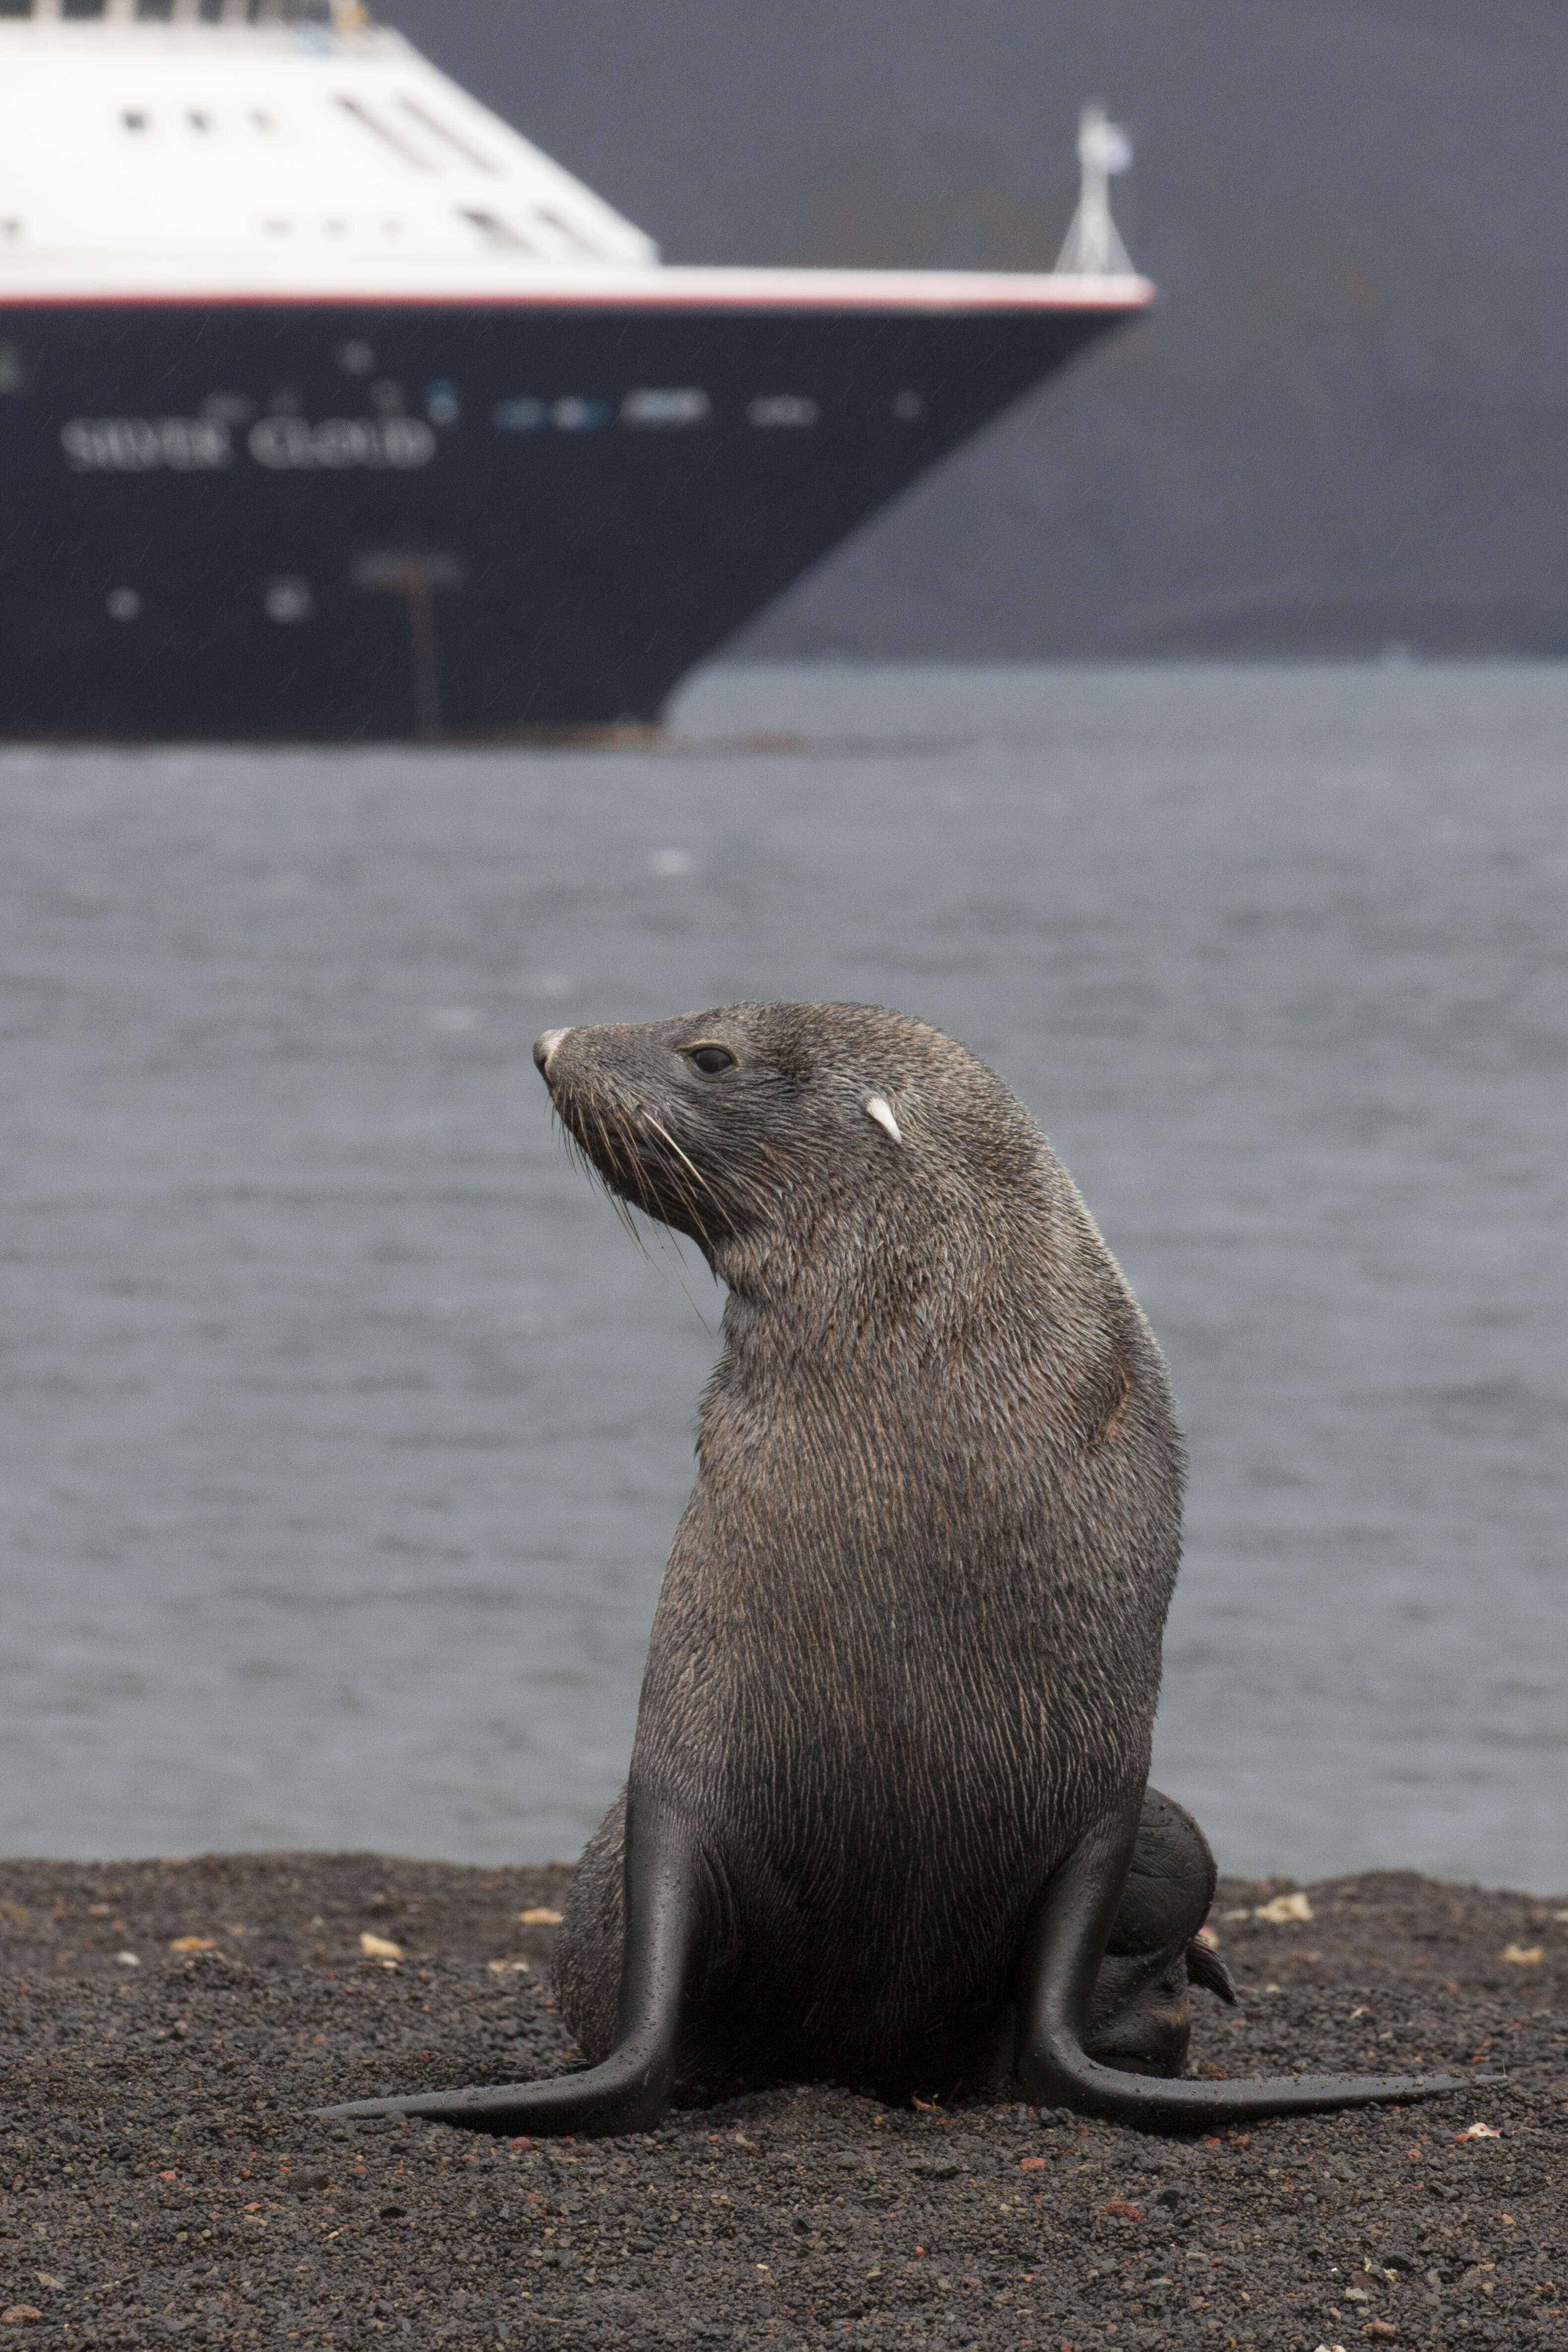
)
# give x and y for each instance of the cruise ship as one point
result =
(330, 407)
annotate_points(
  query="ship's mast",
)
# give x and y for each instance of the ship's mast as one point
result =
(1093, 247)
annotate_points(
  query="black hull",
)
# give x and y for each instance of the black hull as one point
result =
(214, 528)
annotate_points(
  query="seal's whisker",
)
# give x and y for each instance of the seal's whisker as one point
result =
(659, 1129)
(694, 1213)
(681, 1281)
(596, 1169)
(680, 1185)
(636, 1174)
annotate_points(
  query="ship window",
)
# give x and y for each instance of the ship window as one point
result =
(385, 133)
(459, 146)
(262, 120)
(134, 119)
(684, 406)
(82, 8)
(212, 11)
(788, 409)
(279, 228)
(15, 8)
(12, 227)
(574, 414)
(288, 598)
(199, 121)
(161, 9)
(496, 231)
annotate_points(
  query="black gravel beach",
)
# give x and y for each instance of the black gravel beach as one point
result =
(168, 2026)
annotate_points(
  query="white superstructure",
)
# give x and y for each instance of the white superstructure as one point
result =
(274, 146)
(260, 151)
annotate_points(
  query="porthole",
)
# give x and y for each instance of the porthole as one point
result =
(521, 415)
(123, 604)
(576, 415)
(679, 405)
(288, 599)
(789, 410)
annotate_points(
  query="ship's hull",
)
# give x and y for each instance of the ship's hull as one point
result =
(312, 518)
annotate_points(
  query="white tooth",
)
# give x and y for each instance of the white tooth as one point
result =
(880, 1109)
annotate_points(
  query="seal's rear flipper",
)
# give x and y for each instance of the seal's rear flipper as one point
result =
(1064, 1952)
(1204, 1968)
(1140, 2019)
(668, 1935)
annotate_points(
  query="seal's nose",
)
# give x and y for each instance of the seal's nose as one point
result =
(544, 1048)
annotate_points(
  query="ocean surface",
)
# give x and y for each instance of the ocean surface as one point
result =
(343, 1431)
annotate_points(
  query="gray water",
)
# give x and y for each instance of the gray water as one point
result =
(343, 1431)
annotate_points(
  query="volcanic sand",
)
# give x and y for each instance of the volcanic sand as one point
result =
(168, 2026)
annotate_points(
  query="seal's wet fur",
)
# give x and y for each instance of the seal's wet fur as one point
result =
(908, 1642)
(886, 1819)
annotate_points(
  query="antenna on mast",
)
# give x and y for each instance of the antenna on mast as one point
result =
(1092, 247)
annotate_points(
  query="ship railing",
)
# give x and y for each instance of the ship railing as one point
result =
(338, 16)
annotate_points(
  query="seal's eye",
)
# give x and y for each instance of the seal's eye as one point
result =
(710, 1059)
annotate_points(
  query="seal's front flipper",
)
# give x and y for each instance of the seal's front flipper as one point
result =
(668, 1932)
(1062, 1956)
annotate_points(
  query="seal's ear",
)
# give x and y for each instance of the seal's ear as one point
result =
(880, 1109)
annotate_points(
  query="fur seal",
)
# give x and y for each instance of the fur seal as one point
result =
(887, 1819)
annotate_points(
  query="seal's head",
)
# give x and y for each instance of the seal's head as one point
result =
(870, 1194)
(772, 1123)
